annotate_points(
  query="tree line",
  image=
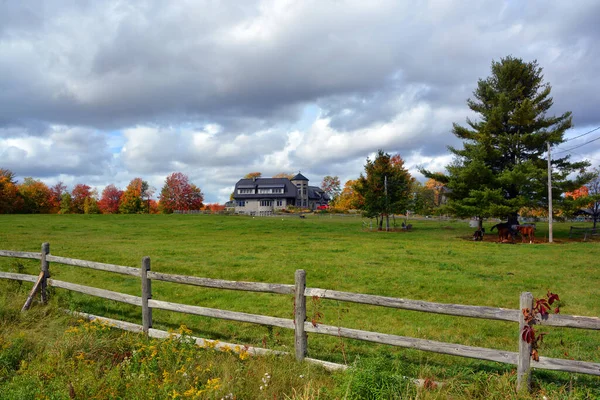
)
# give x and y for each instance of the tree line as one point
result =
(32, 196)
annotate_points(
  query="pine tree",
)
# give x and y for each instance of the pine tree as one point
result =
(502, 165)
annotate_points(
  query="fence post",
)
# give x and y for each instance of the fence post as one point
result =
(300, 343)
(45, 268)
(146, 294)
(524, 362)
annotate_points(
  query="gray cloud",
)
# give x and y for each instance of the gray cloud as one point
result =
(382, 74)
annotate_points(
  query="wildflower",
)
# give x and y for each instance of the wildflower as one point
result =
(301, 376)
(184, 330)
(213, 384)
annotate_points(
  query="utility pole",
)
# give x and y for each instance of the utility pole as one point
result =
(387, 205)
(549, 195)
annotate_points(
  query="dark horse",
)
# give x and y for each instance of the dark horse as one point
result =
(505, 231)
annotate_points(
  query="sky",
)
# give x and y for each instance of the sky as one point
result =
(101, 92)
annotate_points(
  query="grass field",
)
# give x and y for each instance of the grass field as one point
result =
(437, 261)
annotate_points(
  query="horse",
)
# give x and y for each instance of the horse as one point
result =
(505, 231)
(527, 230)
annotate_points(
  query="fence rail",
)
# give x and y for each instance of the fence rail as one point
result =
(586, 231)
(301, 327)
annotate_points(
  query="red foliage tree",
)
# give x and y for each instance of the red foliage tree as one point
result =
(109, 202)
(78, 195)
(56, 193)
(179, 194)
(332, 186)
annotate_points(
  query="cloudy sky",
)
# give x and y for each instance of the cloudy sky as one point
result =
(101, 92)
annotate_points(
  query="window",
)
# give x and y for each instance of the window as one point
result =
(266, 203)
(241, 203)
(278, 190)
(279, 203)
(246, 191)
(264, 191)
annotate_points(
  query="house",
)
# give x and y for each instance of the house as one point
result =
(264, 196)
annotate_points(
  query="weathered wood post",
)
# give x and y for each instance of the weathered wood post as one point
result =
(300, 343)
(45, 268)
(524, 362)
(146, 295)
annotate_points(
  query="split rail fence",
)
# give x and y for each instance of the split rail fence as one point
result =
(586, 232)
(301, 327)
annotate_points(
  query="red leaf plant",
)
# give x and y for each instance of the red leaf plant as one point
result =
(541, 309)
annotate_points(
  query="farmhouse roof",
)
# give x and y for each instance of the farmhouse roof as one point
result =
(289, 189)
(316, 193)
(299, 177)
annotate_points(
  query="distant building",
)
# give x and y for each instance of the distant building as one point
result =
(263, 196)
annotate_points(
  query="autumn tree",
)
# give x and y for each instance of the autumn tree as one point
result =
(36, 196)
(56, 193)
(65, 203)
(284, 175)
(437, 189)
(332, 186)
(349, 198)
(179, 194)
(589, 199)
(252, 175)
(386, 187)
(423, 199)
(78, 195)
(501, 167)
(90, 205)
(109, 202)
(214, 208)
(10, 198)
(135, 198)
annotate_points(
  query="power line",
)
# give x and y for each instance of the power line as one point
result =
(583, 134)
(578, 146)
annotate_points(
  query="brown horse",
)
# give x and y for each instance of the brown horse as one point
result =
(527, 230)
(505, 232)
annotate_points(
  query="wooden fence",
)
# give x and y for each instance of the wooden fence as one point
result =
(586, 232)
(301, 327)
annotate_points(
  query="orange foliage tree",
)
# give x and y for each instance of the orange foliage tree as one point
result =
(10, 198)
(577, 193)
(136, 197)
(251, 175)
(36, 196)
(349, 198)
(214, 208)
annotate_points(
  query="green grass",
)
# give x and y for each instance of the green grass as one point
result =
(435, 262)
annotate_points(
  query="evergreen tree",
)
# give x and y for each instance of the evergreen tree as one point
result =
(502, 165)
